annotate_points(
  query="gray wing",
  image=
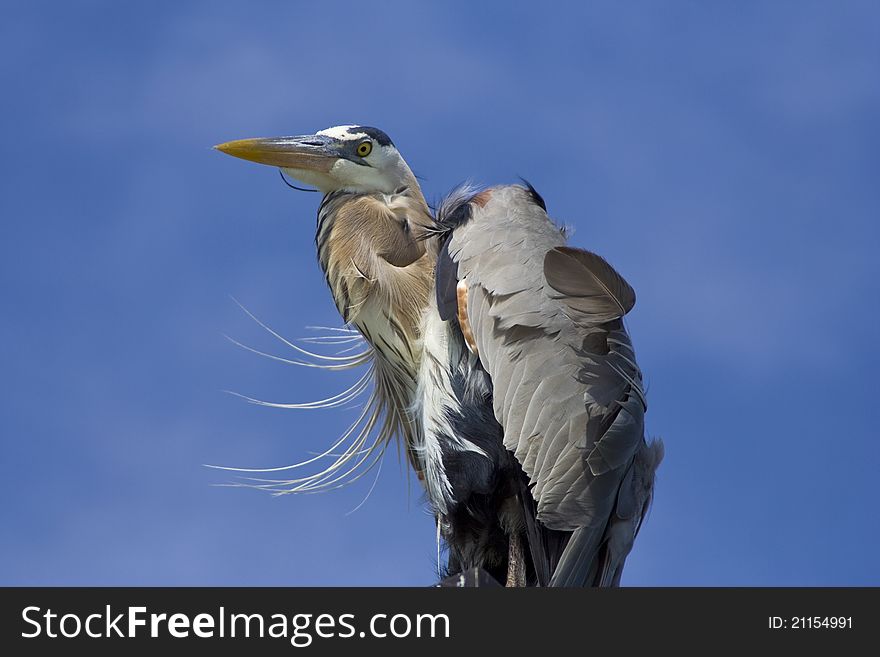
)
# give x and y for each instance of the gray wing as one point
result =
(547, 322)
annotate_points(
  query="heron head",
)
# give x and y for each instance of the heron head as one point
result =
(350, 157)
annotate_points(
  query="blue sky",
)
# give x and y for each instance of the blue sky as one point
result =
(723, 157)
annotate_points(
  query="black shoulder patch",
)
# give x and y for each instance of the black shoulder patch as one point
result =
(459, 216)
(536, 197)
(373, 133)
(454, 211)
(445, 284)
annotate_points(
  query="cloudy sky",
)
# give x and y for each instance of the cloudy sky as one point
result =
(724, 158)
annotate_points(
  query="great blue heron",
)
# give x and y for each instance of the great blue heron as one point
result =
(500, 360)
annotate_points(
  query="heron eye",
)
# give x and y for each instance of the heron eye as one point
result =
(364, 148)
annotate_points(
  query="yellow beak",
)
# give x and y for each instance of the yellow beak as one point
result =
(312, 152)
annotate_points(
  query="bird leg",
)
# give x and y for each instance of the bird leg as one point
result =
(516, 564)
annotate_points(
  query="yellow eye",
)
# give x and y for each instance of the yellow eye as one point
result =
(364, 148)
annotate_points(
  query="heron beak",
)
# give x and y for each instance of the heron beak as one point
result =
(310, 153)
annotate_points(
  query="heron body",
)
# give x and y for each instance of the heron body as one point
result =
(546, 325)
(500, 359)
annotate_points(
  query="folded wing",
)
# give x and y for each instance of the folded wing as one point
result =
(547, 320)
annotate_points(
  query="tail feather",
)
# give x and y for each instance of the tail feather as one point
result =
(579, 564)
(595, 556)
(545, 545)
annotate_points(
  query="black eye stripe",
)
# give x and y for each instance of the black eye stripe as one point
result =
(374, 133)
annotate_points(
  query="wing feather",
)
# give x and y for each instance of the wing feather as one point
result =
(587, 283)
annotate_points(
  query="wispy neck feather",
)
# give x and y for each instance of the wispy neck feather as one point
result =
(380, 276)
